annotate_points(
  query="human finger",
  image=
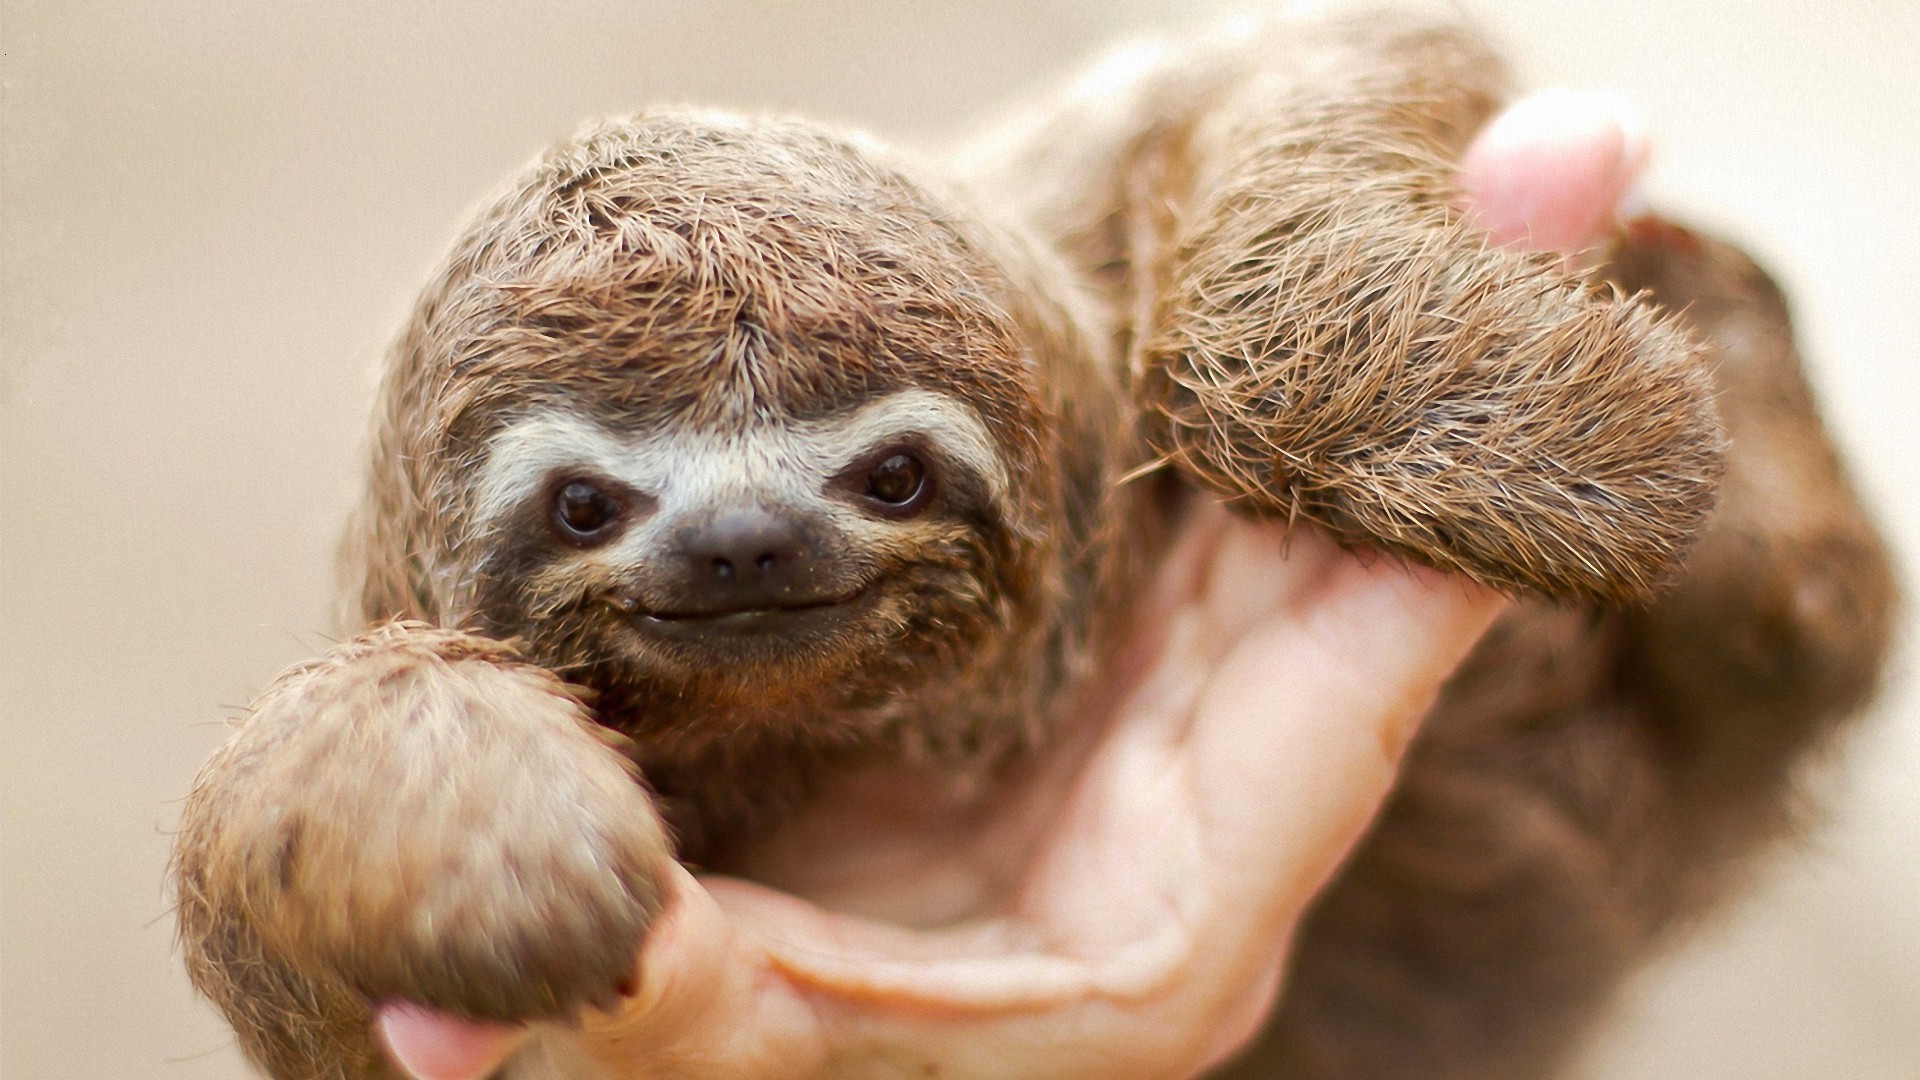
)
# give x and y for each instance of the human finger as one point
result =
(433, 1045)
(1142, 929)
(1549, 172)
(707, 1001)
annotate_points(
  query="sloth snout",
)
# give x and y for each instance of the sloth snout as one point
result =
(746, 557)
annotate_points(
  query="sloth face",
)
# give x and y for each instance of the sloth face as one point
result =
(771, 558)
(735, 423)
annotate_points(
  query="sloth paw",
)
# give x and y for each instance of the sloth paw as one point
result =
(1349, 353)
(418, 816)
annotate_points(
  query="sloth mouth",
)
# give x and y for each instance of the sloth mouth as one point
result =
(759, 620)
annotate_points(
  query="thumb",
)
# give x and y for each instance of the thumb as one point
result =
(1550, 171)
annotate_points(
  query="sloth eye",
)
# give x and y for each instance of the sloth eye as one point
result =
(900, 481)
(583, 513)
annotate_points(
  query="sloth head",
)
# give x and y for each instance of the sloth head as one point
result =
(731, 418)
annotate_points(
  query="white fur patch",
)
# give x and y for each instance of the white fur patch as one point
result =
(787, 463)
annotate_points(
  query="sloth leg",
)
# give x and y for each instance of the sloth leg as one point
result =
(1779, 628)
(416, 816)
(1503, 890)
(1324, 336)
(1590, 780)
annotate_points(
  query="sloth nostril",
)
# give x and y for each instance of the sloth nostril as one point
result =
(744, 557)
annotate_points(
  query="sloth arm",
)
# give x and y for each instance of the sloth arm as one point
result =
(1780, 624)
(1310, 328)
(1593, 781)
(1590, 780)
(418, 815)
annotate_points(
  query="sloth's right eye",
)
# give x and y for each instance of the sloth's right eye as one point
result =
(583, 514)
(899, 482)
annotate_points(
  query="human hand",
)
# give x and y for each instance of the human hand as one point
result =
(1145, 884)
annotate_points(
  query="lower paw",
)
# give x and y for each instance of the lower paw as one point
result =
(419, 816)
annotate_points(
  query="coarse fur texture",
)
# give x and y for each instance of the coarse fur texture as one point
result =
(726, 455)
(377, 909)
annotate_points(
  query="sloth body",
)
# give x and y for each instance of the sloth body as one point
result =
(778, 459)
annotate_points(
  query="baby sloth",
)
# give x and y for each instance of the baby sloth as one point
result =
(726, 456)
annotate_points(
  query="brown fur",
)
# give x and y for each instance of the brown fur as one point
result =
(713, 266)
(1239, 263)
(1592, 781)
(333, 867)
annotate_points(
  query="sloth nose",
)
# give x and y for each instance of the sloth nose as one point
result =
(746, 558)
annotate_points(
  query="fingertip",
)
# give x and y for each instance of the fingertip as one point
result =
(1550, 171)
(1393, 592)
(433, 1045)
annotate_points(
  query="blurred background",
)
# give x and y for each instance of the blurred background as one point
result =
(215, 215)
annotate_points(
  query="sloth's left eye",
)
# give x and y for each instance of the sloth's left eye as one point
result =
(583, 513)
(900, 482)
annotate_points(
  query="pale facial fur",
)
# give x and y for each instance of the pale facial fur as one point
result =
(778, 462)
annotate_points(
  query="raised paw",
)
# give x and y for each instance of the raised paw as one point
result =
(1338, 342)
(418, 816)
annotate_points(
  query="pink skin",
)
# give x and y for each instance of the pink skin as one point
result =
(1549, 172)
(1053, 971)
(435, 1046)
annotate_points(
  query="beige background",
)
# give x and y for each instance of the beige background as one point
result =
(214, 218)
